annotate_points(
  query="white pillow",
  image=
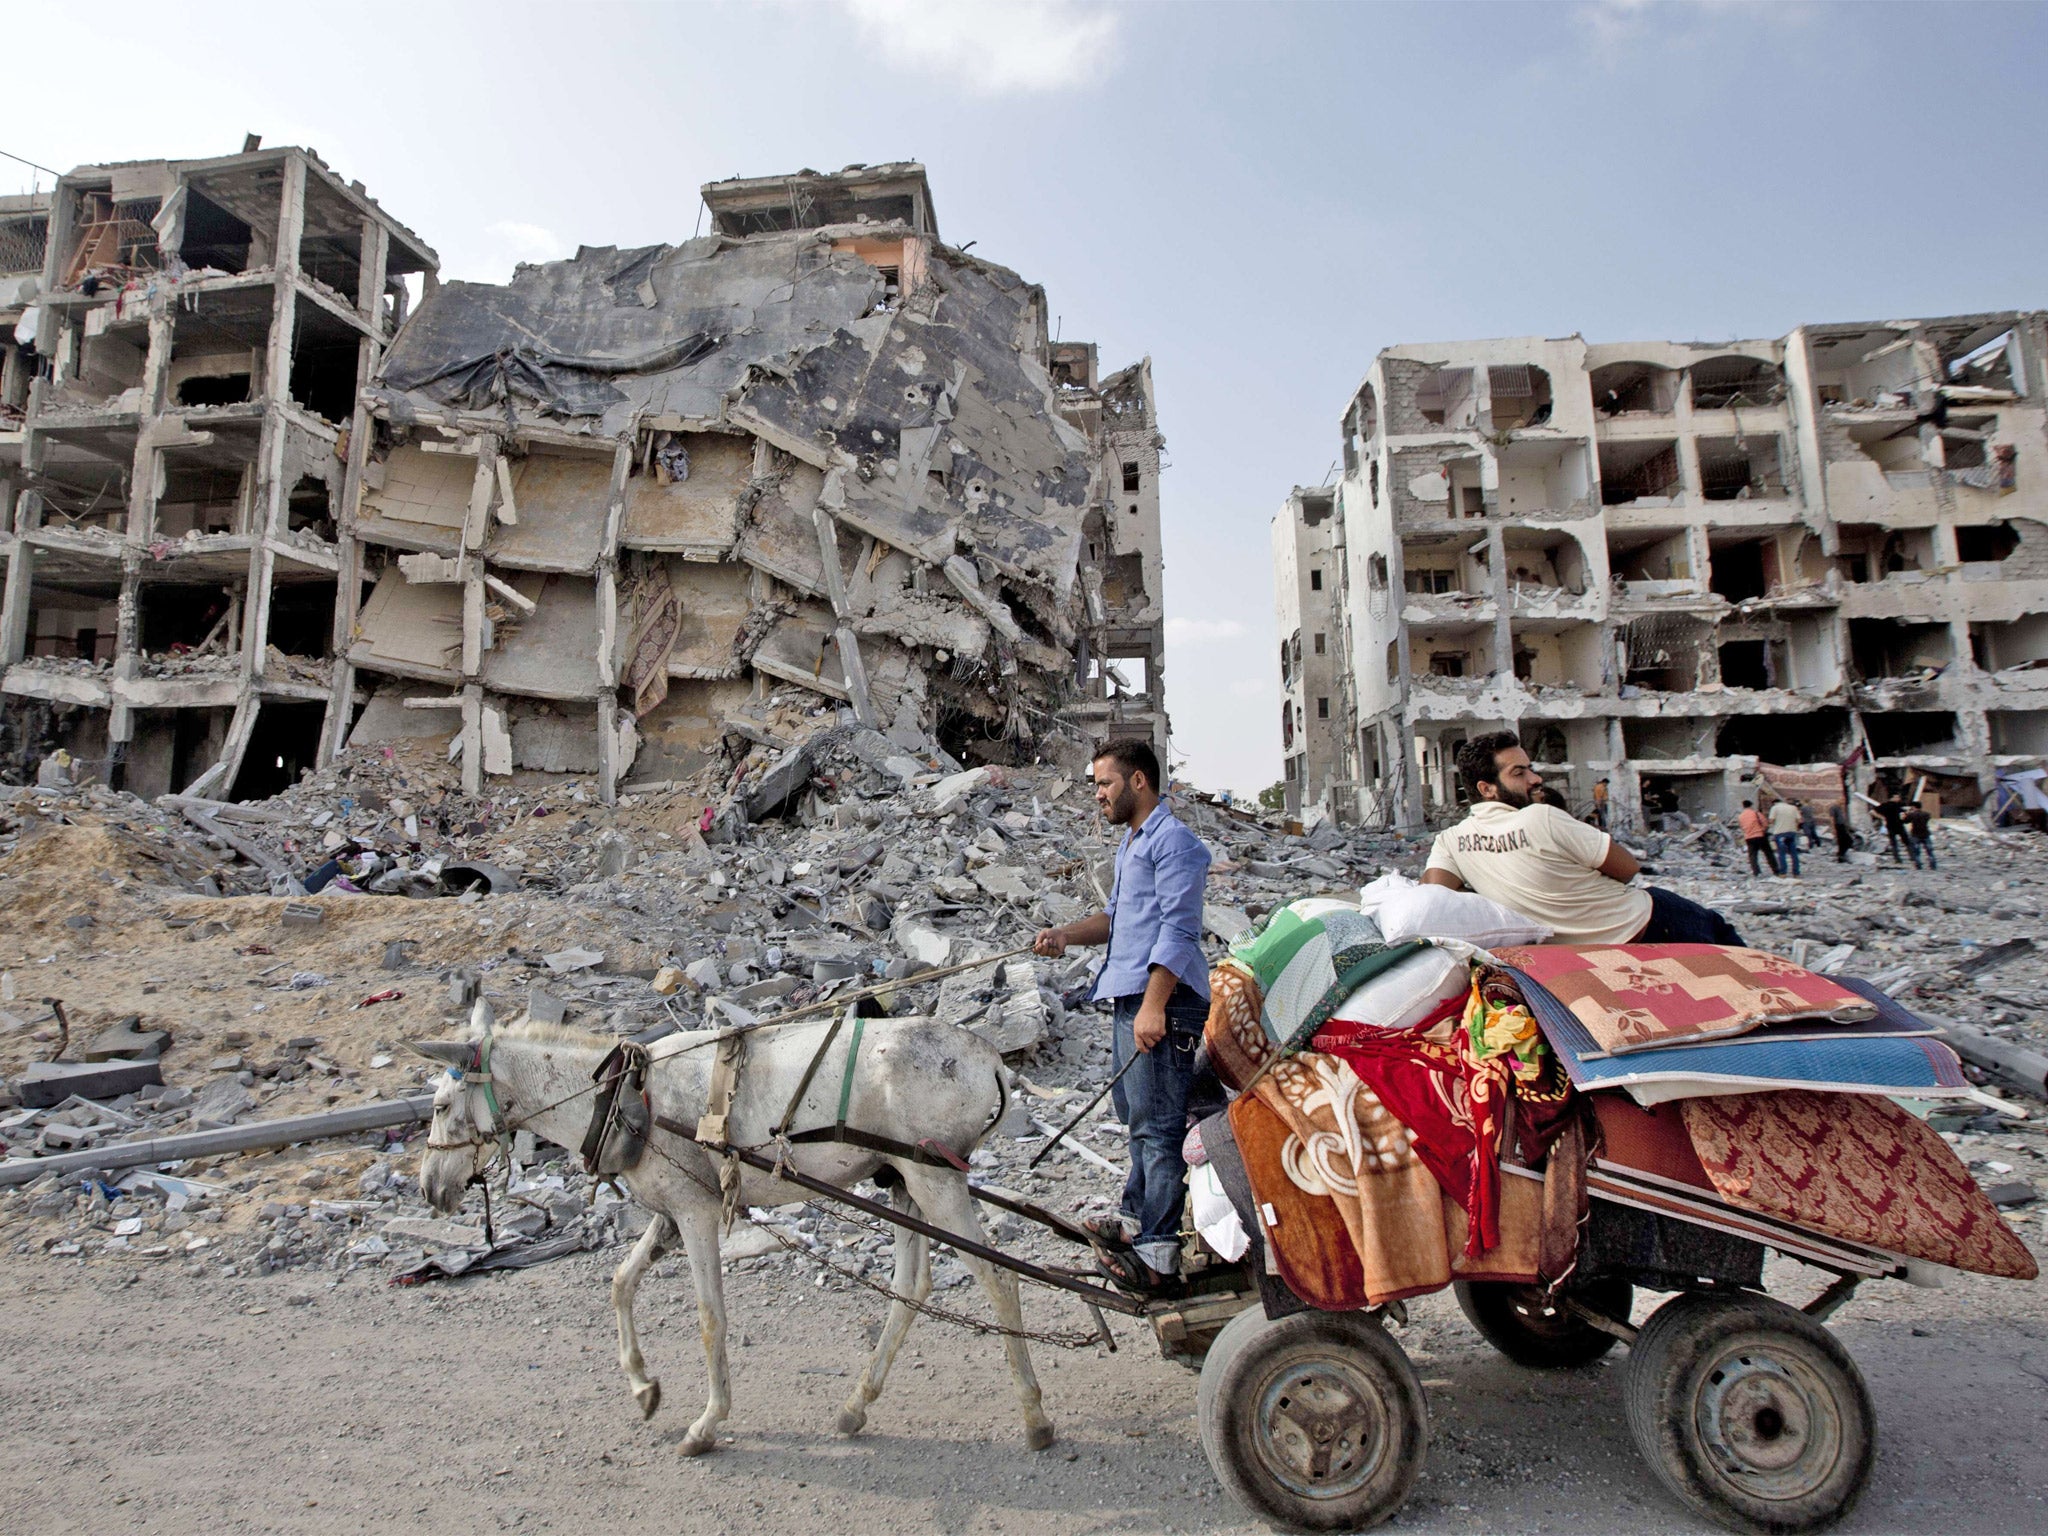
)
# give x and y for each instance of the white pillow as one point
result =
(1406, 910)
(1406, 995)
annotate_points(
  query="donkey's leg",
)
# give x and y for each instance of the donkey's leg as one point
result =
(700, 1217)
(913, 1278)
(654, 1242)
(946, 1202)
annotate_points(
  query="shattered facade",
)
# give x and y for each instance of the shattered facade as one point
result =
(571, 523)
(1664, 562)
(185, 356)
(607, 504)
(1309, 591)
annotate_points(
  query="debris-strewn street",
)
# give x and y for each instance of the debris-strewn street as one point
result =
(246, 1282)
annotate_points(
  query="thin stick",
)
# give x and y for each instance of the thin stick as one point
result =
(1086, 1110)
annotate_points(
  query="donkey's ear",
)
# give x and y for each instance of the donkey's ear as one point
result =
(454, 1053)
(482, 1016)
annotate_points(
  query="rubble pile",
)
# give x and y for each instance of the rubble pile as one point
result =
(815, 856)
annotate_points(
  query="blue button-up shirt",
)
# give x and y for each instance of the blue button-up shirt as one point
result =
(1155, 908)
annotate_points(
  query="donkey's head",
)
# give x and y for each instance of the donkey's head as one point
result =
(468, 1130)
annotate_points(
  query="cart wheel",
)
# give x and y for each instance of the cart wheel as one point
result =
(1315, 1422)
(1524, 1323)
(1751, 1412)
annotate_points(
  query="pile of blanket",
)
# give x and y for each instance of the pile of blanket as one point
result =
(1449, 1142)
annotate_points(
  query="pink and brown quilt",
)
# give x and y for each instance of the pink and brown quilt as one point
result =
(1637, 997)
(1857, 1167)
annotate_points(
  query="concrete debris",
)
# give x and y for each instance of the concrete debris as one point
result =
(596, 511)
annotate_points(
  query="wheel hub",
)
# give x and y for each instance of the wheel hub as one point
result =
(1321, 1428)
(1769, 1426)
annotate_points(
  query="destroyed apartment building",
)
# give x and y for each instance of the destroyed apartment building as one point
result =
(1664, 563)
(573, 522)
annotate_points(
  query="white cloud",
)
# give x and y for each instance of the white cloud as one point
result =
(1203, 631)
(491, 254)
(1000, 47)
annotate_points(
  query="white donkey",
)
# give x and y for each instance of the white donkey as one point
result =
(914, 1079)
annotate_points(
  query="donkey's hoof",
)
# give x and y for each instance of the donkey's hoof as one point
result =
(696, 1445)
(649, 1398)
(1039, 1437)
(851, 1421)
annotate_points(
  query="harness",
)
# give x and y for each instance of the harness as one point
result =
(621, 1114)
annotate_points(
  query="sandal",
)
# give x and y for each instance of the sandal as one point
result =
(1108, 1229)
(1127, 1272)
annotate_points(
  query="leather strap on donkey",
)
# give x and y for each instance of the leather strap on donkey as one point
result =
(621, 1115)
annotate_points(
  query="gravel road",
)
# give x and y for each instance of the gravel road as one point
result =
(153, 1399)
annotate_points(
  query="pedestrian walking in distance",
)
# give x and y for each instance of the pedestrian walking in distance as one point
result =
(1919, 834)
(1756, 837)
(1784, 825)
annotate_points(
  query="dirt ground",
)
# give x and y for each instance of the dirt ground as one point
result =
(154, 1400)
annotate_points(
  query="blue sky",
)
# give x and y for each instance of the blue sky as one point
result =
(1260, 197)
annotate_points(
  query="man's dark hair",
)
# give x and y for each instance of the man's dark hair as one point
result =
(1477, 763)
(1748, 804)
(1133, 756)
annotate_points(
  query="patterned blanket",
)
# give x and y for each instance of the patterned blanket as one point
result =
(1856, 1167)
(1636, 997)
(1351, 1215)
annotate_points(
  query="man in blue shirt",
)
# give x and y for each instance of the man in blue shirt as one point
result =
(1158, 984)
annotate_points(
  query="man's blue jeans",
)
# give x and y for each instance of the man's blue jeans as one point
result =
(1788, 851)
(1153, 1101)
(1675, 920)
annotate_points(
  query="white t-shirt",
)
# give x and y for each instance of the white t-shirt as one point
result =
(1784, 817)
(1544, 863)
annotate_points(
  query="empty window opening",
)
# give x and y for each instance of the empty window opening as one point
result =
(1427, 582)
(1393, 661)
(1520, 394)
(2019, 732)
(1544, 743)
(1896, 732)
(76, 625)
(214, 238)
(204, 490)
(215, 389)
(1666, 740)
(1989, 365)
(172, 747)
(1654, 557)
(1448, 398)
(1542, 565)
(1662, 652)
(1639, 471)
(1742, 571)
(302, 617)
(1985, 542)
(1133, 479)
(1869, 552)
(285, 740)
(1695, 795)
(1319, 647)
(176, 619)
(1721, 382)
(1448, 663)
(1372, 481)
(1376, 573)
(2016, 643)
(1315, 581)
(309, 510)
(324, 365)
(1747, 664)
(1896, 648)
(1471, 501)
(1818, 736)
(1316, 507)
(1322, 709)
(1625, 389)
(1739, 468)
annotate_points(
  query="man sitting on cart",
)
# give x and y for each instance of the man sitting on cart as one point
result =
(1541, 862)
(1157, 981)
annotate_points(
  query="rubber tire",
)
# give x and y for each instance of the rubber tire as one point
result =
(1556, 1341)
(1680, 1357)
(1239, 1374)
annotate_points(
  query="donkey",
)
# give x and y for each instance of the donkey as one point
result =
(914, 1079)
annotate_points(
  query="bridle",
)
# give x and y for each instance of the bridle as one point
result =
(488, 1123)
